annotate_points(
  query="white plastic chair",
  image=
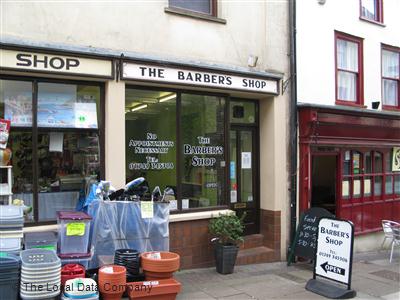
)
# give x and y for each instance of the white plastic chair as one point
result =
(387, 229)
(395, 240)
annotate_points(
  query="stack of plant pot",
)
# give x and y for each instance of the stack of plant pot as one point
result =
(80, 288)
(130, 259)
(158, 268)
(112, 282)
(71, 271)
(40, 274)
(9, 276)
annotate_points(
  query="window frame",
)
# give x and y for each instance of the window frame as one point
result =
(379, 7)
(386, 106)
(35, 130)
(360, 74)
(213, 9)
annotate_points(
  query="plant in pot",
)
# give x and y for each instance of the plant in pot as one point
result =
(228, 233)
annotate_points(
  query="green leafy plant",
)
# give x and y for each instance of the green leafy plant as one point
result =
(228, 229)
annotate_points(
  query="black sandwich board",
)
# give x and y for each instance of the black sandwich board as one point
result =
(305, 240)
(333, 259)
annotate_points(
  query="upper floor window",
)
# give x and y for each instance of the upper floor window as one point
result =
(372, 10)
(348, 69)
(201, 6)
(390, 77)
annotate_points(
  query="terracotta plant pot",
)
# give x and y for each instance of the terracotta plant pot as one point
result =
(159, 268)
(165, 289)
(112, 282)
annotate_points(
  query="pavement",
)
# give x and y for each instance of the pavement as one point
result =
(373, 277)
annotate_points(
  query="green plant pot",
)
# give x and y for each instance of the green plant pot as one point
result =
(225, 257)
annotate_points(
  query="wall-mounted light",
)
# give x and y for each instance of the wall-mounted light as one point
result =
(138, 107)
(322, 2)
(252, 60)
(166, 98)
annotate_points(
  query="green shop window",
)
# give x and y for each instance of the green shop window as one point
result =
(177, 140)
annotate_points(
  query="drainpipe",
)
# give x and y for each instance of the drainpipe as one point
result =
(293, 120)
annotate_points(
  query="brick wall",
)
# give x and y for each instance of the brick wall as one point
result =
(191, 240)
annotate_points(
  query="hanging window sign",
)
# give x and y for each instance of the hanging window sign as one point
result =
(43, 62)
(246, 160)
(396, 159)
(199, 78)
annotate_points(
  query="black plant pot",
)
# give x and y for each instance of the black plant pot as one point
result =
(225, 257)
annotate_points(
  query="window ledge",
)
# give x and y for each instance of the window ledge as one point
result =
(372, 21)
(199, 215)
(192, 14)
(172, 218)
(348, 103)
(392, 108)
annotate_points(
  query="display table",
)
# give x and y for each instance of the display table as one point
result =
(119, 225)
(50, 203)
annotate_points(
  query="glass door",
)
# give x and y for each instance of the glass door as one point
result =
(243, 174)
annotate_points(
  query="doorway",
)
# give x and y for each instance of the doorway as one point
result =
(323, 180)
(243, 172)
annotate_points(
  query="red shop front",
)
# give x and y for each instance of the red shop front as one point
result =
(346, 164)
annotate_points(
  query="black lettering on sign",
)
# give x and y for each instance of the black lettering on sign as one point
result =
(46, 62)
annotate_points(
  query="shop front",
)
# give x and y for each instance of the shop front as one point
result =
(195, 131)
(54, 104)
(349, 164)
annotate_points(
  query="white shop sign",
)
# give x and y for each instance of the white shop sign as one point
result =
(54, 63)
(198, 78)
(334, 250)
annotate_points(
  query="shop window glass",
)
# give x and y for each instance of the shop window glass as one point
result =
(346, 163)
(68, 144)
(16, 106)
(368, 163)
(346, 189)
(356, 163)
(243, 112)
(367, 186)
(203, 167)
(389, 185)
(397, 184)
(378, 185)
(357, 187)
(378, 162)
(150, 132)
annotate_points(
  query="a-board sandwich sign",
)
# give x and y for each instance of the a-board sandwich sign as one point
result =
(333, 257)
(305, 240)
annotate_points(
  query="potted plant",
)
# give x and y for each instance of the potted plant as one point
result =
(227, 231)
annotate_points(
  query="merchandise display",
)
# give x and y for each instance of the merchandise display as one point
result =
(71, 271)
(80, 288)
(11, 223)
(9, 276)
(40, 267)
(73, 233)
(44, 240)
(119, 225)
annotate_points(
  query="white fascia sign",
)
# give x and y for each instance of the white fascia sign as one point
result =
(334, 250)
(55, 63)
(145, 72)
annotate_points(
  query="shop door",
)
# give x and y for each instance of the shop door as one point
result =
(243, 176)
(323, 187)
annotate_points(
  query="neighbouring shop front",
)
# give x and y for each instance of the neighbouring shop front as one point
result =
(349, 164)
(56, 128)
